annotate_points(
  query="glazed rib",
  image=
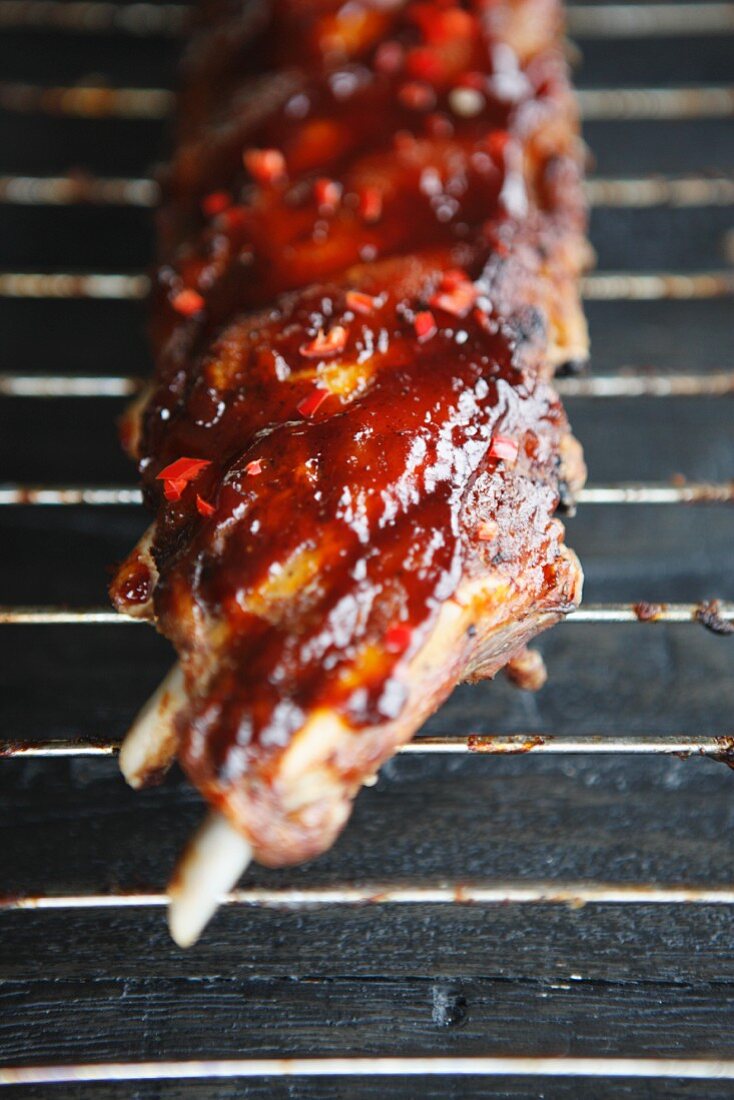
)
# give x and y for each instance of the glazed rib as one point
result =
(370, 258)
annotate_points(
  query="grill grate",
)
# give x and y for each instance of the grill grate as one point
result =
(697, 287)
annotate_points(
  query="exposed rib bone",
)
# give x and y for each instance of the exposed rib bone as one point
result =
(150, 745)
(214, 860)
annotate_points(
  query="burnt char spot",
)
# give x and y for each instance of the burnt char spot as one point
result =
(529, 326)
(449, 1008)
(708, 614)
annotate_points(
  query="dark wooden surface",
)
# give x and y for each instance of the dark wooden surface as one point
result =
(423, 980)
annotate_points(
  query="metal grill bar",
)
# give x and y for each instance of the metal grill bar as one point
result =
(628, 383)
(574, 894)
(59, 385)
(634, 383)
(92, 16)
(634, 493)
(599, 286)
(644, 192)
(639, 19)
(85, 189)
(589, 613)
(639, 286)
(86, 101)
(607, 104)
(457, 1066)
(63, 285)
(584, 20)
(681, 745)
(596, 104)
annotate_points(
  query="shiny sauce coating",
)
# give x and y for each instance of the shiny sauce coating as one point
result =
(378, 436)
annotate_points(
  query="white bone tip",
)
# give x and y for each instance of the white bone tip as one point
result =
(150, 744)
(211, 865)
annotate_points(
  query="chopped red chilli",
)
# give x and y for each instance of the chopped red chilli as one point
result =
(441, 27)
(370, 204)
(187, 302)
(505, 448)
(327, 193)
(203, 507)
(326, 343)
(424, 324)
(417, 96)
(178, 474)
(265, 165)
(235, 217)
(172, 489)
(424, 64)
(497, 143)
(389, 57)
(311, 404)
(360, 302)
(183, 469)
(456, 294)
(252, 469)
(397, 637)
(216, 203)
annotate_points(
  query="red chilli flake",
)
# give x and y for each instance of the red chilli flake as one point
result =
(456, 294)
(370, 204)
(178, 474)
(362, 303)
(497, 143)
(311, 404)
(389, 57)
(505, 448)
(397, 637)
(327, 193)
(235, 218)
(325, 344)
(184, 469)
(252, 469)
(203, 507)
(187, 302)
(265, 165)
(417, 96)
(424, 64)
(425, 326)
(172, 489)
(216, 203)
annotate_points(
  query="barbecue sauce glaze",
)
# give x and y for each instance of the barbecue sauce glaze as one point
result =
(363, 363)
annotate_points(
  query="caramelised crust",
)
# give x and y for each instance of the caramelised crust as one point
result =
(356, 329)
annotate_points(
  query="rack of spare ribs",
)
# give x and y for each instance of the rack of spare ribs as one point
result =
(370, 262)
(370, 245)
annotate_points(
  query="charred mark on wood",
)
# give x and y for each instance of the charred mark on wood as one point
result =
(449, 1007)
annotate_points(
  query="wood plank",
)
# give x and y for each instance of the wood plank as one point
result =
(604, 944)
(633, 678)
(150, 1019)
(531, 817)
